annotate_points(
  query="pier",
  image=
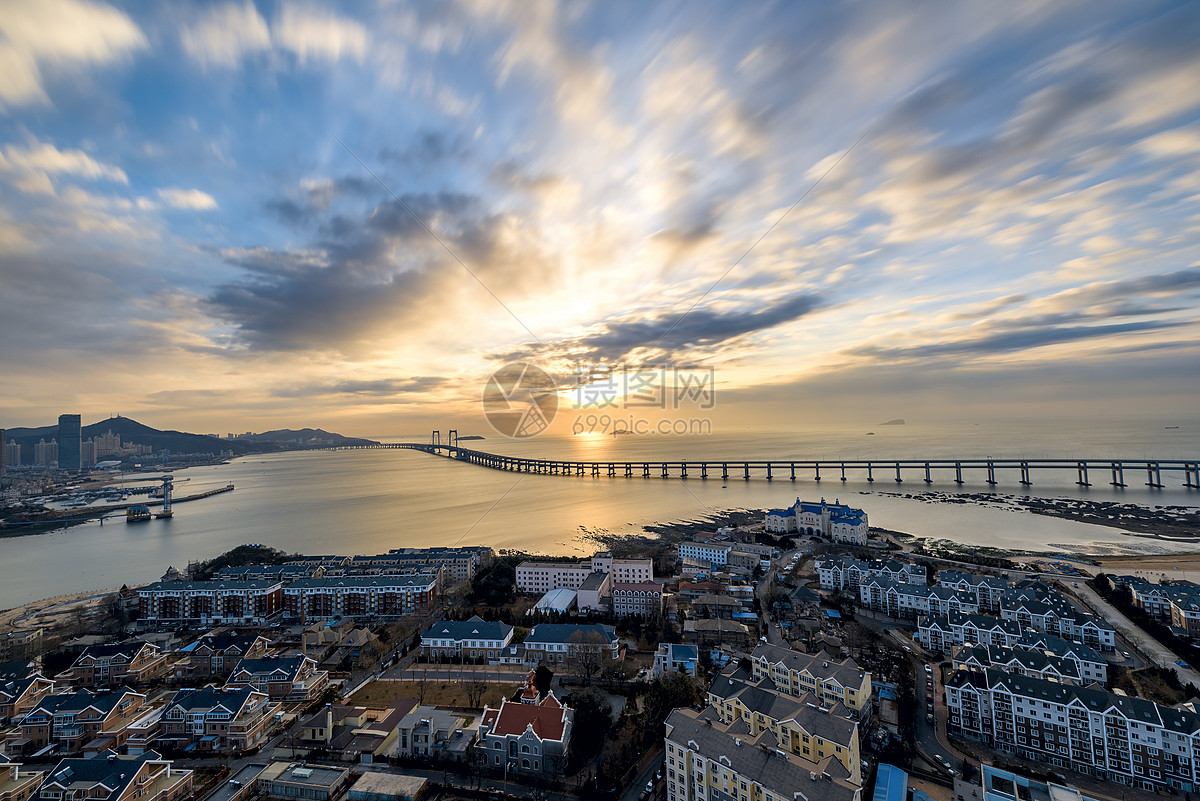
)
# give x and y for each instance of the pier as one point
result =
(1021, 470)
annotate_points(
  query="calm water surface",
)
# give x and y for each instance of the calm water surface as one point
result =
(351, 502)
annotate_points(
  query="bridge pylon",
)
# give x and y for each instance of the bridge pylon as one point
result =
(435, 439)
(452, 437)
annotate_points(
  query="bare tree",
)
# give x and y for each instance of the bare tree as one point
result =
(588, 655)
(422, 681)
(475, 687)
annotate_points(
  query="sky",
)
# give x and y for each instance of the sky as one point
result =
(242, 216)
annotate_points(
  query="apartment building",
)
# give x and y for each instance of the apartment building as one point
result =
(1092, 667)
(1038, 606)
(642, 599)
(902, 600)
(109, 776)
(528, 738)
(370, 596)
(802, 725)
(542, 577)
(17, 784)
(944, 632)
(708, 760)
(208, 603)
(986, 589)
(1039, 664)
(116, 664)
(844, 572)
(710, 554)
(281, 678)
(475, 638)
(459, 564)
(1113, 737)
(830, 680)
(72, 719)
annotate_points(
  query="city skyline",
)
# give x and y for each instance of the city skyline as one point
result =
(846, 214)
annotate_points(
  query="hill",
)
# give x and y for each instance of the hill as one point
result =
(182, 442)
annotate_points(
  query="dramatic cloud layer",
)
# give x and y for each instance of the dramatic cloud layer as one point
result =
(319, 214)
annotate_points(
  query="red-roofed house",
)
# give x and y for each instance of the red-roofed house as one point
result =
(531, 738)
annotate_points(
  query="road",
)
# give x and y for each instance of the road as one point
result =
(1158, 653)
(637, 788)
(496, 673)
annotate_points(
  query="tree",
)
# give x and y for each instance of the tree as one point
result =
(593, 718)
(475, 687)
(422, 681)
(589, 651)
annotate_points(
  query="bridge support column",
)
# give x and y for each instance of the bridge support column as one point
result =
(817, 474)
(843, 471)
(1118, 474)
(870, 472)
(683, 469)
(646, 470)
(724, 472)
(1153, 475)
(769, 476)
(928, 479)
(596, 470)
(1081, 471)
(958, 473)
(1191, 475)
(991, 468)
(898, 479)
(746, 471)
(628, 470)
(704, 470)
(1025, 474)
(665, 474)
(792, 474)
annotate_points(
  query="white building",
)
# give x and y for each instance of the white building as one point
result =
(837, 521)
(541, 577)
(713, 554)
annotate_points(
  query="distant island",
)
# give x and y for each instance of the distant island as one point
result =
(899, 421)
(179, 442)
(469, 436)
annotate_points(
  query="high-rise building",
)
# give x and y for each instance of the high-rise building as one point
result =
(87, 453)
(3, 454)
(12, 453)
(70, 441)
(45, 453)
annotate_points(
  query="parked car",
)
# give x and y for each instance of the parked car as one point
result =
(929, 669)
(649, 787)
(1183, 664)
(929, 718)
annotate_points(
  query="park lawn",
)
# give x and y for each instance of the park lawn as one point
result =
(382, 692)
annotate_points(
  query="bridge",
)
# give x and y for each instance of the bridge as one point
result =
(790, 469)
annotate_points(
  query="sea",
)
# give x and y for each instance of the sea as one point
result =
(369, 501)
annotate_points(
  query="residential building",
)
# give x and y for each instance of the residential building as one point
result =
(901, 600)
(206, 603)
(716, 605)
(830, 680)
(214, 719)
(844, 572)
(426, 731)
(17, 784)
(802, 725)
(707, 760)
(1092, 667)
(986, 589)
(676, 657)
(642, 599)
(71, 719)
(1039, 664)
(997, 784)
(290, 678)
(475, 638)
(108, 776)
(943, 632)
(1038, 606)
(383, 596)
(541, 577)
(114, 664)
(527, 738)
(349, 733)
(709, 554)
(1115, 738)
(594, 594)
(835, 521)
(460, 564)
(709, 632)
(18, 695)
(562, 642)
(218, 654)
(289, 781)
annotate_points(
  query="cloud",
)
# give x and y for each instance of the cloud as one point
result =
(227, 34)
(33, 165)
(224, 35)
(312, 33)
(58, 36)
(381, 387)
(187, 199)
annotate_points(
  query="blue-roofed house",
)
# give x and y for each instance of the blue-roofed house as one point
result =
(475, 638)
(837, 521)
(679, 657)
(891, 783)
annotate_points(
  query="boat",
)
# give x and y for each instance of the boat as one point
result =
(136, 514)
